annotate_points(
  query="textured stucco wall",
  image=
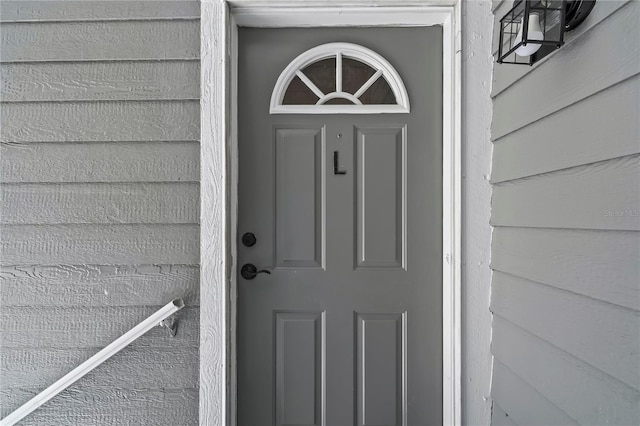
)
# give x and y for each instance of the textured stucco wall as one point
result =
(477, 63)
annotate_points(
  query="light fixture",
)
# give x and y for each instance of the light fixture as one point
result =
(534, 28)
(534, 32)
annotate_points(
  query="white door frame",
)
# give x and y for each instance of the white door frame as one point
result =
(219, 159)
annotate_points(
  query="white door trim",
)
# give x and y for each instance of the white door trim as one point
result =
(218, 164)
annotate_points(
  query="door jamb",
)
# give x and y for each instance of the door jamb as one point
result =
(219, 165)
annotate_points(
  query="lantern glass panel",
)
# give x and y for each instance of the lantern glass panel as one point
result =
(517, 25)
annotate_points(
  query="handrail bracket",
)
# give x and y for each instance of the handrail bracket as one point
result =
(171, 324)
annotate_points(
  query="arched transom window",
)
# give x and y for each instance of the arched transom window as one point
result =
(339, 78)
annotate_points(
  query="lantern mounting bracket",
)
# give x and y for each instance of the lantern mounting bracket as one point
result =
(576, 12)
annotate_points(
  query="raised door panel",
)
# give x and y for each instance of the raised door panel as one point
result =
(381, 182)
(300, 199)
(300, 368)
(381, 369)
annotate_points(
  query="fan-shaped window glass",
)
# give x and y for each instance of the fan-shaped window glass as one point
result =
(322, 74)
(355, 74)
(339, 78)
(378, 93)
(299, 93)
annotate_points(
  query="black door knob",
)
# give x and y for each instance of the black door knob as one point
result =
(249, 239)
(249, 271)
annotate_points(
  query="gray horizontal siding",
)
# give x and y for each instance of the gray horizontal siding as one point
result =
(100, 121)
(599, 264)
(100, 244)
(100, 162)
(525, 152)
(157, 367)
(99, 203)
(584, 327)
(106, 406)
(93, 81)
(98, 285)
(583, 392)
(100, 41)
(90, 327)
(593, 196)
(566, 244)
(81, 10)
(524, 405)
(500, 418)
(99, 171)
(136, 367)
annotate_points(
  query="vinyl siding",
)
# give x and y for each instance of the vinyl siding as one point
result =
(99, 191)
(566, 215)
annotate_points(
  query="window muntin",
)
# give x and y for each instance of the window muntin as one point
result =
(339, 78)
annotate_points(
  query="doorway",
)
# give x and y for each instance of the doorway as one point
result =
(340, 227)
(220, 22)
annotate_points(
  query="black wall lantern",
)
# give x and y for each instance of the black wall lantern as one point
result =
(534, 28)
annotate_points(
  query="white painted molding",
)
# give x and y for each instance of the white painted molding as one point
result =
(338, 50)
(86, 367)
(214, 243)
(340, 15)
(219, 21)
(452, 218)
(339, 109)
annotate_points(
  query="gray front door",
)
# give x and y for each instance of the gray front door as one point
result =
(347, 327)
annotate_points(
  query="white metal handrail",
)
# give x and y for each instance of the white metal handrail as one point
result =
(106, 353)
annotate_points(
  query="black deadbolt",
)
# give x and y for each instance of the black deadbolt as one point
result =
(249, 239)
